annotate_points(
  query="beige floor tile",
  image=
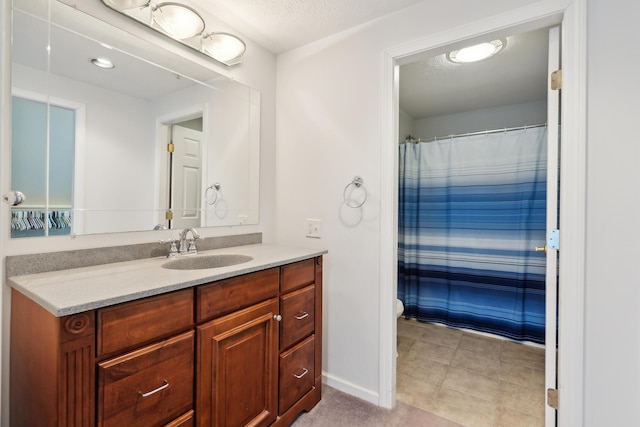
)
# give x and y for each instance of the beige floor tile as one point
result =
(464, 409)
(523, 354)
(409, 329)
(484, 364)
(522, 399)
(522, 375)
(405, 344)
(486, 346)
(469, 378)
(430, 350)
(442, 335)
(471, 383)
(420, 394)
(506, 417)
(422, 370)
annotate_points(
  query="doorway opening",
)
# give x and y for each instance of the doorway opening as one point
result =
(472, 202)
(182, 149)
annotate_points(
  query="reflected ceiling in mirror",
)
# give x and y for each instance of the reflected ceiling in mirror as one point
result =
(124, 176)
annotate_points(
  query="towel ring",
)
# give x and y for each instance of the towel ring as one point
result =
(356, 183)
(216, 188)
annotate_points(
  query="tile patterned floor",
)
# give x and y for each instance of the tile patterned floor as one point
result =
(468, 378)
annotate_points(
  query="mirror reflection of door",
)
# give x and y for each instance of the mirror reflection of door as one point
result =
(186, 174)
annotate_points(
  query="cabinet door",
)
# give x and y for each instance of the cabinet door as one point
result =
(237, 368)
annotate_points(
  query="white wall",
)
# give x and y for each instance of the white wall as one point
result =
(329, 106)
(405, 126)
(529, 113)
(612, 357)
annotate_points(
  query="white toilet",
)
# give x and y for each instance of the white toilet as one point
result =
(399, 311)
(399, 307)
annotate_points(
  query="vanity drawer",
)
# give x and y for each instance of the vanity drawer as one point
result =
(297, 309)
(297, 275)
(152, 385)
(226, 296)
(139, 322)
(185, 420)
(296, 373)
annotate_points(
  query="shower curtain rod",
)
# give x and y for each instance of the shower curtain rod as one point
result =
(413, 140)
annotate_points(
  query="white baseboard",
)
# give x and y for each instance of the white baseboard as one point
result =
(350, 388)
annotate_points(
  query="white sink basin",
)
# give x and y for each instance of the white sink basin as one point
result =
(199, 262)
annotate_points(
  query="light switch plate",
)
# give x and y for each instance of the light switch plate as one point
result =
(314, 228)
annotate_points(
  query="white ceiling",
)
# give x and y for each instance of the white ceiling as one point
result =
(282, 25)
(428, 87)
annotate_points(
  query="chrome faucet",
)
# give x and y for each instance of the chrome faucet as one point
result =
(188, 246)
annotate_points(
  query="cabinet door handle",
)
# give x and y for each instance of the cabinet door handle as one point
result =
(277, 317)
(304, 372)
(304, 314)
(149, 393)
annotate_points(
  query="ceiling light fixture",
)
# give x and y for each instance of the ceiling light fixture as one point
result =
(102, 63)
(183, 24)
(477, 52)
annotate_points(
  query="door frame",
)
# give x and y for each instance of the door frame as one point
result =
(572, 15)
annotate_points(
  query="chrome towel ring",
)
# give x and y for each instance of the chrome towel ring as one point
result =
(216, 191)
(351, 188)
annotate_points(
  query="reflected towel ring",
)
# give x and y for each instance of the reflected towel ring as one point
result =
(216, 188)
(356, 183)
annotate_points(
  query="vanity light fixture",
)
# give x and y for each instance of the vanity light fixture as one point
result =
(102, 63)
(179, 21)
(184, 24)
(476, 52)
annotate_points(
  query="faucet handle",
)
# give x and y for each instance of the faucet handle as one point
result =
(192, 246)
(173, 249)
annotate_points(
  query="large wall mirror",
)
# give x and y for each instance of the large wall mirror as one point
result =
(155, 142)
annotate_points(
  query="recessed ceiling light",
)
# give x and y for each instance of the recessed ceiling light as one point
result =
(477, 52)
(102, 63)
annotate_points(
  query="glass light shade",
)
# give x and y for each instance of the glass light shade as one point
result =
(477, 52)
(125, 4)
(179, 21)
(223, 47)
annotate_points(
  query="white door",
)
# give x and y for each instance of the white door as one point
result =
(186, 173)
(553, 117)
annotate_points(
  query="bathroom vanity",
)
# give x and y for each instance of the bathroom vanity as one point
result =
(137, 344)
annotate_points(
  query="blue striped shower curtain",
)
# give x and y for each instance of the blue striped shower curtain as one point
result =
(471, 210)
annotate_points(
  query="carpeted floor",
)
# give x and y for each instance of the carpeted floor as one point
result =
(337, 409)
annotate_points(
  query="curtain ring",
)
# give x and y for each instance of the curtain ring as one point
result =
(216, 188)
(356, 183)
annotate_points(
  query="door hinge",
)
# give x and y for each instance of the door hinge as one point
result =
(168, 215)
(552, 398)
(556, 80)
(554, 239)
(170, 147)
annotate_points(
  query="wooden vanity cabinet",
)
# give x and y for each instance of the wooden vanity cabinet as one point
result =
(244, 351)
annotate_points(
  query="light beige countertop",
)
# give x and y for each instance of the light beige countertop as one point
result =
(76, 290)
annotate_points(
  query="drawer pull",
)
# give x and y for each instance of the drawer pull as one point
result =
(302, 316)
(149, 393)
(304, 372)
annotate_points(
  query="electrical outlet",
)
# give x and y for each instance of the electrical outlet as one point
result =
(314, 228)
